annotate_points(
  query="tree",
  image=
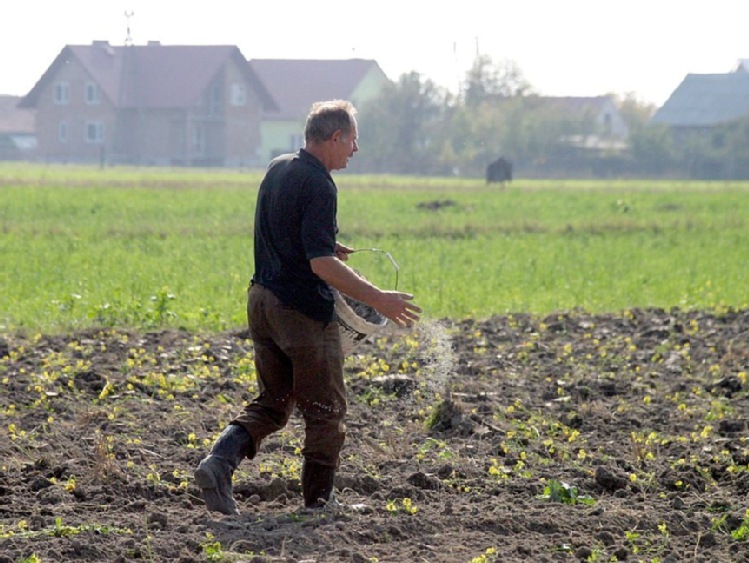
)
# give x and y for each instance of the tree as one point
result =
(487, 80)
(635, 112)
(401, 130)
(522, 128)
(651, 148)
(737, 149)
(417, 127)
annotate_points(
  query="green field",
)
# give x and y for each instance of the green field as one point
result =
(147, 247)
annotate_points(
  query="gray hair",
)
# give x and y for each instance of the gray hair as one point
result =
(325, 118)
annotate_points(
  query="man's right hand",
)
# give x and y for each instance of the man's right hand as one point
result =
(396, 306)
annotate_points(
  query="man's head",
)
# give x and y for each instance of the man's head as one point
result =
(331, 133)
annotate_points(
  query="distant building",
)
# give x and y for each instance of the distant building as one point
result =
(149, 105)
(17, 136)
(595, 122)
(704, 101)
(297, 83)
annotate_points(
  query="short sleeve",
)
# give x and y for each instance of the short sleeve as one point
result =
(319, 226)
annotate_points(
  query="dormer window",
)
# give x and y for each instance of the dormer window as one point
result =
(62, 93)
(93, 93)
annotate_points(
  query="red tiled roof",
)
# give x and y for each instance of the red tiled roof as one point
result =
(295, 84)
(153, 75)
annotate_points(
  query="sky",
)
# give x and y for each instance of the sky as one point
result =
(643, 48)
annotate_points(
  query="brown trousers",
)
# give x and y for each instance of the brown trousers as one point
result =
(299, 363)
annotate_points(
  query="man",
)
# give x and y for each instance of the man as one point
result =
(290, 312)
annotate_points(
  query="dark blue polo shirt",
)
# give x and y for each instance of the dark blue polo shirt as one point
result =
(295, 221)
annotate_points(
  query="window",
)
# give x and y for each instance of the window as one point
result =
(607, 124)
(93, 93)
(62, 132)
(62, 93)
(198, 140)
(215, 99)
(238, 94)
(94, 132)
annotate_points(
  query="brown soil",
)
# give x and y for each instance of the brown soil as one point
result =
(633, 425)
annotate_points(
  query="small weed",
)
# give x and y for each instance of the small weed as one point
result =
(489, 556)
(431, 445)
(739, 533)
(60, 530)
(161, 312)
(742, 532)
(375, 397)
(212, 549)
(649, 545)
(557, 491)
(406, 505)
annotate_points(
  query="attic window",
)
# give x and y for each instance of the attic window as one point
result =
(238, 94)
(93, 93)
(62, 93)
(607, 124)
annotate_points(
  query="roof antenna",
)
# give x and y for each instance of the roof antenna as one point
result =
(129, 38)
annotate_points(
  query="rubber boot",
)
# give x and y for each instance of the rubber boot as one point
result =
(317, 485)
(214, 473)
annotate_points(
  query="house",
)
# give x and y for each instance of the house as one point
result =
(297, 83)
(17, 139)
(703, 101)
(149, 105)
(593, 123)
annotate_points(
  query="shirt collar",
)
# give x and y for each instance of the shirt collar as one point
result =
(313, 160)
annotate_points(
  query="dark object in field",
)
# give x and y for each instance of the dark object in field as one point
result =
(437, 204)
(499, 171)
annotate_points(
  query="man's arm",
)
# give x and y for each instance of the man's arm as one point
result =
(395, 305)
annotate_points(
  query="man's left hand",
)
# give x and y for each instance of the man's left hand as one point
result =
(342, 251)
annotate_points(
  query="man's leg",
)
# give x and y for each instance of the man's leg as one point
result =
(321, 399)
(268, 413)
(308, 352)
(214, 473)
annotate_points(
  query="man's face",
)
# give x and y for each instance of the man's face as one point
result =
(345, 147)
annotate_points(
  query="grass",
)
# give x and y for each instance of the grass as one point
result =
(156, 247)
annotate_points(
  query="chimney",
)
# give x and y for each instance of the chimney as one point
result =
(154, 43)
(100, 43)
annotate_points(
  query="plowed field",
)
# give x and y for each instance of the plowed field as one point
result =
(567, 438)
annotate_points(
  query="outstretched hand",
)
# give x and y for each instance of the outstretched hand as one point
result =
(396, 306)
